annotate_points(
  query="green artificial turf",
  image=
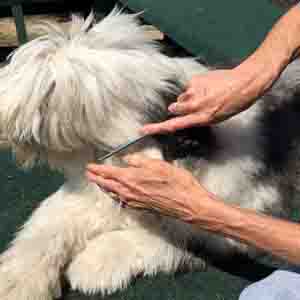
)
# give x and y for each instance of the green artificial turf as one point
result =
(213, 29)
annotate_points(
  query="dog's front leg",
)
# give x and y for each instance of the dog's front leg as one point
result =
(31, 267)
(112, 260)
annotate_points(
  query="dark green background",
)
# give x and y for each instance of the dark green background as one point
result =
(217, 31)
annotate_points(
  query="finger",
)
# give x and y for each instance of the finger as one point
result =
(159, 128)
(150, 129)
(126, 176)
(188, 121)
(111, 185)
(136, 160)
(91, 176)
(178, 123)
(105, 170)
(186, 95)
(187, 107)
(141, 161)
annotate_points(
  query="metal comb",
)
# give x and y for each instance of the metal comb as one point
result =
(121, 148)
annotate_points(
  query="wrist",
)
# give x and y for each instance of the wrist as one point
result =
(280, 46)
(260, 73)
(212, 214)
(248, 226)
(204, 209)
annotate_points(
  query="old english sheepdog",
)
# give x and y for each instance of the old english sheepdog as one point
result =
(71, 96)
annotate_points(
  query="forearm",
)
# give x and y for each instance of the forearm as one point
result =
(281, 238)
(280, 46)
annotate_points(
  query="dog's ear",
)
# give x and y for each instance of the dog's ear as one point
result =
(88, 86)
(25, 83)
(56, 93)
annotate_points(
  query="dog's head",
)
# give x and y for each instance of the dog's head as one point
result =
(93, 85)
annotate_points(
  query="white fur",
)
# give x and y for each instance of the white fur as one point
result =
(67, 97)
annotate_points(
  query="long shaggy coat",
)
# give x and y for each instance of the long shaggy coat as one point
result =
(69, 97)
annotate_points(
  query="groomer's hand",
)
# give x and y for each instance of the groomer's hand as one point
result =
(154, 185)
(210, 98)
(218, 95)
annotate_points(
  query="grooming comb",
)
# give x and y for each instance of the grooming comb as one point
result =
(121, 148)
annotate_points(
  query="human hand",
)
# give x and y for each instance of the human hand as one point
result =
(154, 185)
(211, 98)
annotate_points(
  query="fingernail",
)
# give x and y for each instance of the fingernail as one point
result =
(92, 167)
(127, 158)
(146, 129)
(173, 107)
(130, 158)
(91, 176)
(143, 130)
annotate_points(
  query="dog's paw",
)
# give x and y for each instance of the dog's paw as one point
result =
(112, 260)
(192, 264)
(103, 267)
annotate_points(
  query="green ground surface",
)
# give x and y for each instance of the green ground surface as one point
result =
(215, 30)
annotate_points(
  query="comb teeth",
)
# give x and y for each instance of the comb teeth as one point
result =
(121, 148)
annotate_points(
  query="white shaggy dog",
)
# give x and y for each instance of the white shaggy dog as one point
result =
(67, 98)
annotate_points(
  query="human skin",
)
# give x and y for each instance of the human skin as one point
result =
(157, 185)
(211, 98)
(220, 94)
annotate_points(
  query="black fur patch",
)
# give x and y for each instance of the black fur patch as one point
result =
(281, 152)
(196, 142)
(280, 127)
(154, 113)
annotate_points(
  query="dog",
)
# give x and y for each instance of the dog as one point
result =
(71, 96)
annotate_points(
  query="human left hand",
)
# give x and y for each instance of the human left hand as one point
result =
(152, 184)
(211, 98)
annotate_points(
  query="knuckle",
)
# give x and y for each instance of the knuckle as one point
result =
(189, 85)
(206, 117)
(113, 185)
(124, 193)
(126, 177)
(191, 92)
(193, 105)
(163, 168)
